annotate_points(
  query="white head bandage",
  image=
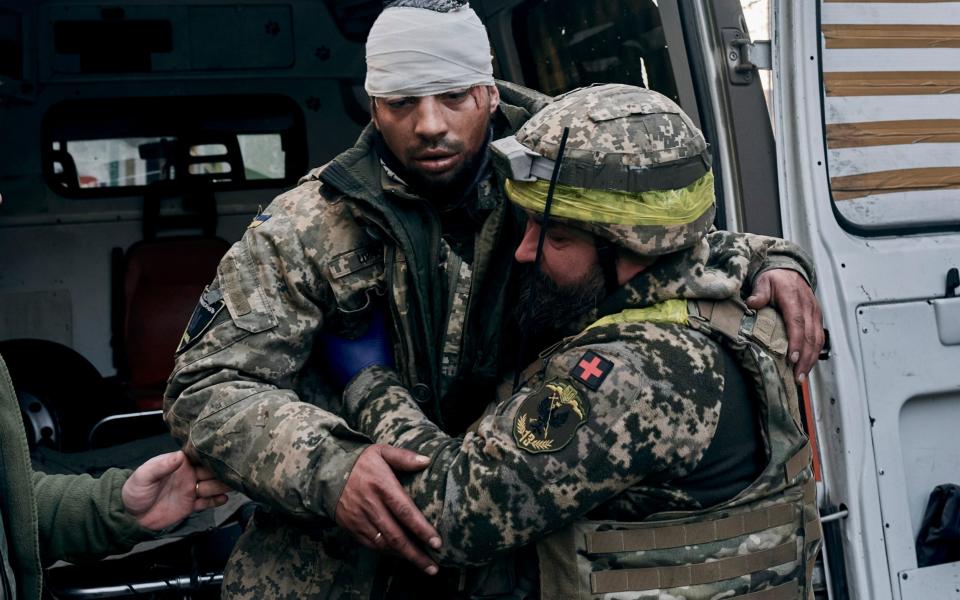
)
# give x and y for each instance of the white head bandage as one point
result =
(421, 52)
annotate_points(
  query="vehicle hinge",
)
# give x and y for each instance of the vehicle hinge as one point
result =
(744, 57)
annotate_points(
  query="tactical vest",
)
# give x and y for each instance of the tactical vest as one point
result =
(760, 545)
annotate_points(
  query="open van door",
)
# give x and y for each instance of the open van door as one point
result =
(868, 145)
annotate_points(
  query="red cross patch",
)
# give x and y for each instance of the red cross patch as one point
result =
(591, 370)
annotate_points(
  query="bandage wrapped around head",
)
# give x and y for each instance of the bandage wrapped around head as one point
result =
(636, 171)
(413, 51)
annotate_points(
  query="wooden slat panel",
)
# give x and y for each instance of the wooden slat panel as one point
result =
(891, 36)
(851, 187)
(887, 133)
(883, 1)
(892, 83)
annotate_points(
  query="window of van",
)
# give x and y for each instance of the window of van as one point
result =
(566, 44)
(892, 117)
(124, 145)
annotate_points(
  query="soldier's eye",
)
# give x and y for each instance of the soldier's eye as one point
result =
(398, 103)
(455, 95)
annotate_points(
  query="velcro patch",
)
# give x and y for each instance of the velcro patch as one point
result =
(548, 419)
(210, 305)
(591, 370)
(258, 221)
(355, 260)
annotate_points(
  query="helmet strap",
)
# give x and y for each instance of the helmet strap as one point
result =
(607, 253)
(522, 347)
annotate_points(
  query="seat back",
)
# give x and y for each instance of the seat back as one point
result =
(162, 280)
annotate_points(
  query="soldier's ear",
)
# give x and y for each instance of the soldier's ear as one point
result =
(494, 98)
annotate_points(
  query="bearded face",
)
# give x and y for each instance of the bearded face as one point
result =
(547, 309)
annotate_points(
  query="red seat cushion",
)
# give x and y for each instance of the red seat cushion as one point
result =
(163, 281)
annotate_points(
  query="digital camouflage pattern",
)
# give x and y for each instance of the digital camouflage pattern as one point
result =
(649, 423)
(614, 123)
(249, 397)
(441, 6)
(613, 126)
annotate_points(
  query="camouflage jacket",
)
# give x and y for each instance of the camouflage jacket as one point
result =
(248, 394)
(610, 420)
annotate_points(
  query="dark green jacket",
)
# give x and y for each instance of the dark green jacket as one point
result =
(53, 517)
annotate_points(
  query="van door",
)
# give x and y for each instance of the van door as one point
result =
(868, 125)
(679, 48)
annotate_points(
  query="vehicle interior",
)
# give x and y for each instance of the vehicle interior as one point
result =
(140, 139)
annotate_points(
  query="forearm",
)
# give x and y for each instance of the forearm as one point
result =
(481, 478)
(82, 518)
(262, 440)
(762, 253)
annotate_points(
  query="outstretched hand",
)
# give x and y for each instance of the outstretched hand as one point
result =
(790, 293)
(167, 489)
(376, 509)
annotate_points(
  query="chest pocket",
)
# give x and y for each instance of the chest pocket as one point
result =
(356, 277)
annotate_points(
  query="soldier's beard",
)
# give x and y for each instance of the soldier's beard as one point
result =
(547, 311)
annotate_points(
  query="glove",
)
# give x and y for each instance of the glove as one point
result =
(346, 358)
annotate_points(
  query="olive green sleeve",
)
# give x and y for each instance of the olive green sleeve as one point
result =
(82, 518)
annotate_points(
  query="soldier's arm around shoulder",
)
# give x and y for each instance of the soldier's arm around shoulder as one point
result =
(756, 254)
(231, 398)
(600, 419)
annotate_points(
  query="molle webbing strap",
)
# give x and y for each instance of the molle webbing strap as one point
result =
(735, 321)
(723, 317)
(810, 492)
(787, 591)
(798, 462)
(675, 536)
(812, 531)
(637, 580)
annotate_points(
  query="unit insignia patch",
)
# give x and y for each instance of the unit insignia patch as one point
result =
(548, 419)
(211, 303)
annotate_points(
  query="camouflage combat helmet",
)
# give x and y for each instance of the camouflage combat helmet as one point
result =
(636, 170)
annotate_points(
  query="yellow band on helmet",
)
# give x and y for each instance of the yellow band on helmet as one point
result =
(656, 207)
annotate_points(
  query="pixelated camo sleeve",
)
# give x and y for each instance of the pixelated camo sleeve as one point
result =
(597, 422)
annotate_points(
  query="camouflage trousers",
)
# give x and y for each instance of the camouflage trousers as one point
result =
(279, 559)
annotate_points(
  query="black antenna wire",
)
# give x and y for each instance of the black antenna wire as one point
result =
(554, 176)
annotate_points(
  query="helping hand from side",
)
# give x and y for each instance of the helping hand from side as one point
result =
(167, 489)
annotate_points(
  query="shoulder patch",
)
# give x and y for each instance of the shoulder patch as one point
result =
(548, 419)
(258, 221)
(591, 370)
(210, 305)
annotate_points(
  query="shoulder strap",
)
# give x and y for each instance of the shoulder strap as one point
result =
(732, 320)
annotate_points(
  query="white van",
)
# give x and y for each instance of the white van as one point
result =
(139, 137)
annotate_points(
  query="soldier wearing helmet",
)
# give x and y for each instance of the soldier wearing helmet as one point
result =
(653, 450)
